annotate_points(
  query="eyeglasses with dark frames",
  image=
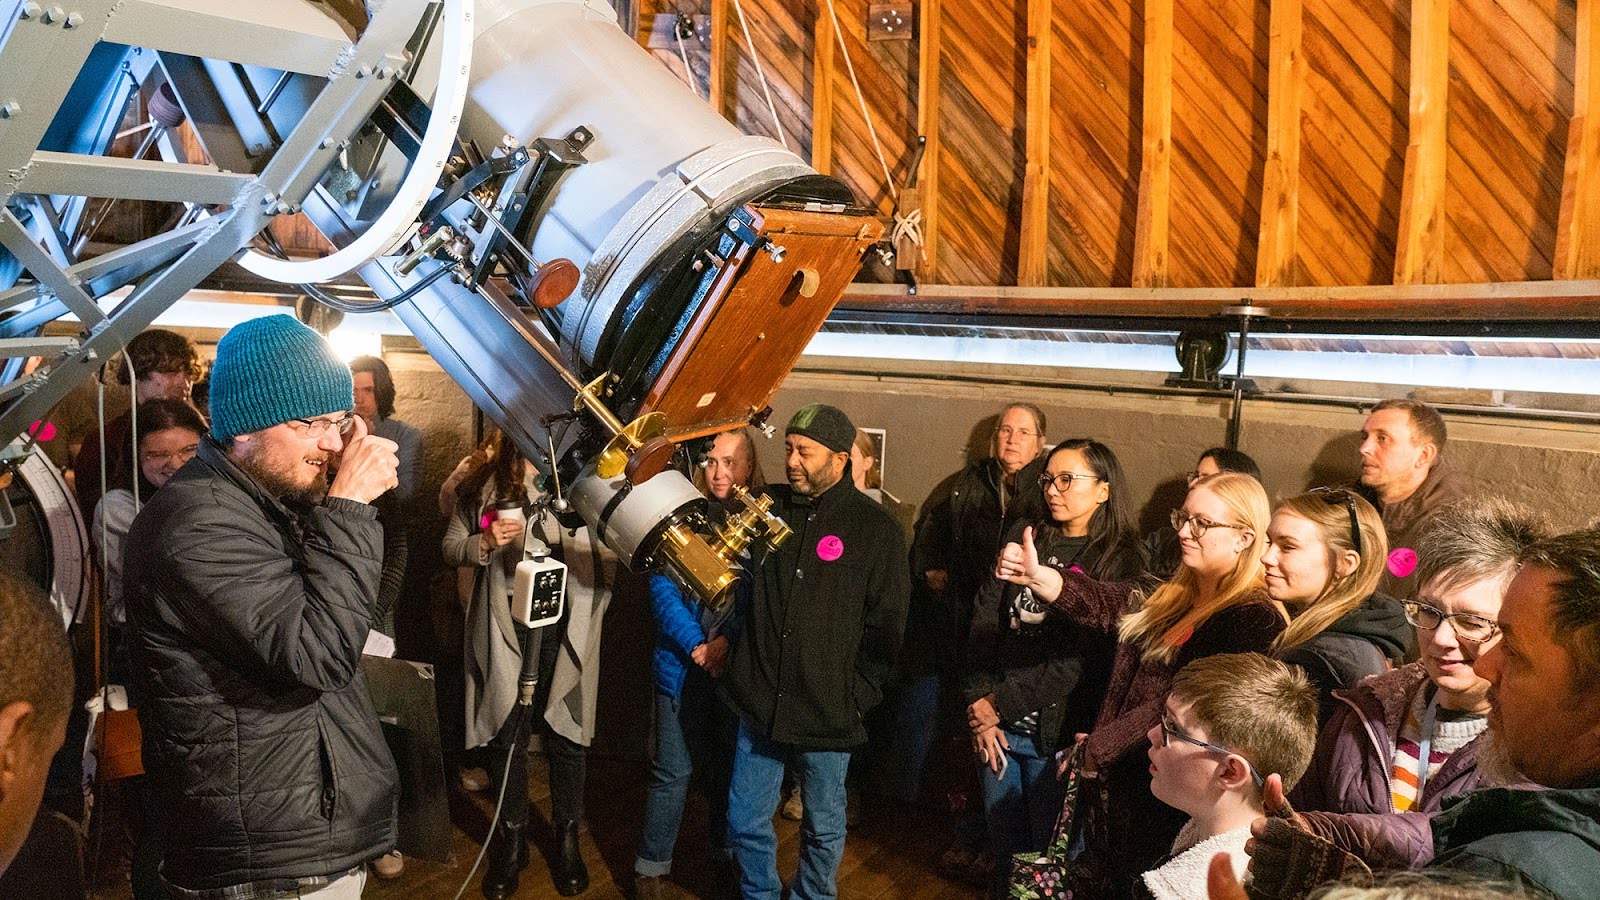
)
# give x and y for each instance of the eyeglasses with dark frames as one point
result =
(318, 427)
(1469, 627)
(1063, 481)
(1169, 731)
(1336, 496)
(1198, 525)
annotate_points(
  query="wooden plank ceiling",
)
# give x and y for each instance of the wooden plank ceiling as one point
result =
(1481, 201)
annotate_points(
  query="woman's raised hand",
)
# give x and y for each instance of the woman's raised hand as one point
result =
(1019, 564)
(1018, 561)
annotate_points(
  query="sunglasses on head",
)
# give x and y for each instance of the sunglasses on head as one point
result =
(1336, 496)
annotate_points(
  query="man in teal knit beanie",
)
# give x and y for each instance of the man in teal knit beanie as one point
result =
(251, 587)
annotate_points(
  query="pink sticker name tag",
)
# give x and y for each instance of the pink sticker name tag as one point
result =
(830, 548)
(1402, 562)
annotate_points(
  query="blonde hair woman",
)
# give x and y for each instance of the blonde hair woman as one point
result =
(1215, 603)
(1326, 551)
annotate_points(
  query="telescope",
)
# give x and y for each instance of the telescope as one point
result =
(608, 268)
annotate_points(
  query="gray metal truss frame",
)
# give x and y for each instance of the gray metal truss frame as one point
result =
(38, 65)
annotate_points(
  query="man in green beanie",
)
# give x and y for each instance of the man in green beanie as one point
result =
(251, 585)
(813, 655)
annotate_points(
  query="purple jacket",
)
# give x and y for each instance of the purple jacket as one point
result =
(1348, 784)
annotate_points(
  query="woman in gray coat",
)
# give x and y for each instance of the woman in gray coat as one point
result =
(486, 534)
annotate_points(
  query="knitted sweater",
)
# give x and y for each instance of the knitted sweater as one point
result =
(1451, 732)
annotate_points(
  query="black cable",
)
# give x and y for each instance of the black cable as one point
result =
(346, 306)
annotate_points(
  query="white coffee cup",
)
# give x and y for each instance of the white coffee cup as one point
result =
(509, 511)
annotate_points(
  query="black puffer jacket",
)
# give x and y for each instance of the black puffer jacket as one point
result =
(964, 531)
(826, 622)
(960, 531)
(248, 624)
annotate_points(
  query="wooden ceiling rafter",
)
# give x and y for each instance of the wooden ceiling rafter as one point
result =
(1155, 168)
(717, 84)
(1578, 231)
(1419, 250)
(930, 27)
(1506, 301)
(1277, 251)
(1033, 247)
(822, 42)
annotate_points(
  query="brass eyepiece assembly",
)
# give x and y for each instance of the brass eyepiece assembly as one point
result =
(709, 567)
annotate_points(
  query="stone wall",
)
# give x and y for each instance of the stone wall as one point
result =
(934, 423)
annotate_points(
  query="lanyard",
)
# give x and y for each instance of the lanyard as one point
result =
(1425, 744)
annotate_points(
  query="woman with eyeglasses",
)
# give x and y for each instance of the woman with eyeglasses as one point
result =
(1216, 603)
(1400, 744)
(1325, 553)
(1034, 679)
(167, 435)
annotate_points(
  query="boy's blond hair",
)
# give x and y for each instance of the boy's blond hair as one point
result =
(1260, 708)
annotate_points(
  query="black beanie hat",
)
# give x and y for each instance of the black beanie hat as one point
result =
(827, 425)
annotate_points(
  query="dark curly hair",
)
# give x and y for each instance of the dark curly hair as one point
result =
(160, 350)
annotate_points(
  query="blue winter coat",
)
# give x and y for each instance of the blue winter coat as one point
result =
(682, 624)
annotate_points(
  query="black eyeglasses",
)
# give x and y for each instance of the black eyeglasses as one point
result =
(1064, 480)
(1468, 627)
(1336, 496)
(1168, 731)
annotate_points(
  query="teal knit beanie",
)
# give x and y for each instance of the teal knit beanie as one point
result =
(271, 370)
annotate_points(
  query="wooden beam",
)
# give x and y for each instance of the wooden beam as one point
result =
(822, 91)
(1419, 253)
(1277, 253)
(1033, 249)
(1155, 167)
(1578, 229)
(1506, 301)
(930, 24)
(718, 81)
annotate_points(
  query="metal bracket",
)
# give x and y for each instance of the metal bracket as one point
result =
(889, 21)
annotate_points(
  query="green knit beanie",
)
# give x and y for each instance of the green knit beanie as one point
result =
(271, 370)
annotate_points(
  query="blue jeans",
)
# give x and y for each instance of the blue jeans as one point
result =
(753, 798)
(1021, 805)
(693, 727)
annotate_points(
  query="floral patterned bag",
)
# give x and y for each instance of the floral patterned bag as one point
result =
(1036, 876)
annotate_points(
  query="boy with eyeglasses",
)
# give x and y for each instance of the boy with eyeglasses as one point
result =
(1228, 719)
(249, 606)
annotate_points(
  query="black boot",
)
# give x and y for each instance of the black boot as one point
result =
(570, 875)
(508, 856)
